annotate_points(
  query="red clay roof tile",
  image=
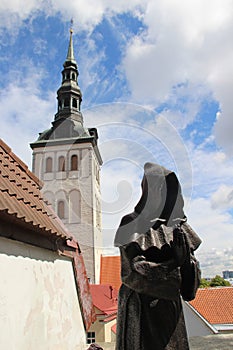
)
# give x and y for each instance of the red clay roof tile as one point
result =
(20, 195)
(104, 298)
(110, 271)
(215, 304)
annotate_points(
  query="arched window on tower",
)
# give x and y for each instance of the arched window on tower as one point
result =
(73, 76)
(66, 102)
(49, 165)
(59, 105)
(61, 209)
(74, 162)
(61, 163)
(74, 103)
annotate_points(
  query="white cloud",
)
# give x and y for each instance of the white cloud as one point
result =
(223, 127)
(183, 42)
(92, 73)
(85, 13)
(26, 111)
(89, 13)
(215, 261)
(146, 135)
(14, 12)
(210, 170)
(16, 6)
(215, 227)
(222, 198)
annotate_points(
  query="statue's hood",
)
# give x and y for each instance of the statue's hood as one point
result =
(161, 202)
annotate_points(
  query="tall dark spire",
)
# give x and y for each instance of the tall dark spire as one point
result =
(68, 121)
(69, 95)
(70, 53)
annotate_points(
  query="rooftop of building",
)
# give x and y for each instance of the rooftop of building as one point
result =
(215, 304)
(104, 298)
(21, 201)
(110, 267)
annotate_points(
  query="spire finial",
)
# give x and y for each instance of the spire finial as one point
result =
(71, 26)
(70, 53)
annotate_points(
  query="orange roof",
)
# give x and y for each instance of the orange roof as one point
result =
(215, 304)
(110, 271)
(21, 199)
(104, 298)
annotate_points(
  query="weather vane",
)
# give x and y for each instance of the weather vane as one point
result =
(71, 25)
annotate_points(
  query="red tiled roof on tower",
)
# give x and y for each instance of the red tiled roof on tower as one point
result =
(110, 271)
(215, 304)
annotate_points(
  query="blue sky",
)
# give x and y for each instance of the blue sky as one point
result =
(157, 82)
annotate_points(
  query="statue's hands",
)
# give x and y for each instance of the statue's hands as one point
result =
(138, 258)
(138, 263)
(180, 246)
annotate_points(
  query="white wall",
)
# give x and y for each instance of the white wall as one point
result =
(39, 307)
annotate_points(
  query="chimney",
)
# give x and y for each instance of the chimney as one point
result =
(111, 290)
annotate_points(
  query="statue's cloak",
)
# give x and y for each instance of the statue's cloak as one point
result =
(150, 314)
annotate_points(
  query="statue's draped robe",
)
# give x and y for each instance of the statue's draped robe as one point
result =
(150, 312)
(150, 315)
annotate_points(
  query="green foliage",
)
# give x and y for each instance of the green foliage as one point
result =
(204, 283)
(219, 281)
(216, 281)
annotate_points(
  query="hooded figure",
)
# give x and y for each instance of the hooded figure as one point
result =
(157, 266)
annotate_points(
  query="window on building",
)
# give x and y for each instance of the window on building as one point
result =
(73, 76)
(49, 165)
(59, 105)
(74, 103)
(61, 209)
(90, 337)
(66, 102)
(74, 162)
(67, 75)
(61, 163)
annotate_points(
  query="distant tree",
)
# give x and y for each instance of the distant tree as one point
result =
(204, 283)
(219, 281)
(216, 281)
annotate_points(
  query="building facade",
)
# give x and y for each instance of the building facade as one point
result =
(67, 159)
(105, 300)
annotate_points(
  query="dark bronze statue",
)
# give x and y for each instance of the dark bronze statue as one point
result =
(157, 266)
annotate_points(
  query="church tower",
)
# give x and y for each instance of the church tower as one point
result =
(67, 159)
